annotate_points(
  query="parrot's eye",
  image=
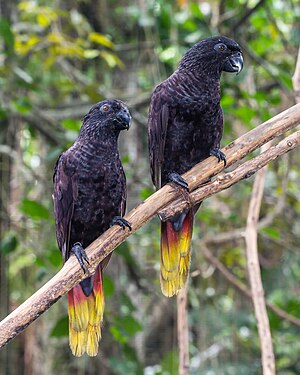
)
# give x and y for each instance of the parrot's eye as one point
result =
(105, 108)
(220, 47)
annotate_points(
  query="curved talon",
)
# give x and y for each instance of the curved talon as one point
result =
(178, 180)
(119, 220)
(219, 155)
(80, 254)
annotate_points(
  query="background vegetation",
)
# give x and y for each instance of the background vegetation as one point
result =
(56, 60)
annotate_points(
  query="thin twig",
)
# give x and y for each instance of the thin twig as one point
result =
(266, 221)
(267, 66)
(183, 332)
(239, 285)
(248, 12)
(257, 290)
(296, 79)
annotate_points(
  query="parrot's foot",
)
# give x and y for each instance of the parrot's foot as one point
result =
(178, 180)
(119, 220)
(218, 154)
(80, 254)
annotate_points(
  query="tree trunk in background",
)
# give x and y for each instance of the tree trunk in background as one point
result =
(3, 263)
(7, 137)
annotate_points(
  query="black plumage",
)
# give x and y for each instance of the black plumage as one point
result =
(90, 185)
(185, 122)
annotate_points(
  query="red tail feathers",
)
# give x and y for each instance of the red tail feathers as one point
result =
(175, 255)
(85, 317)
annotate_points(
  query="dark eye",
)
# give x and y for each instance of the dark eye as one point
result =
(105, 108)
(220, 47)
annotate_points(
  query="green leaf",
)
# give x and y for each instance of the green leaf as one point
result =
(125, 327)
(100, 39)
(227, 101)
(54, 257)
(108, 285)
(61, 328)
(169, 54)
(111, 59)
(91, 53)
(245, 113)
(43, 20)
(3, 114)
(145, 193)
(130, 325)
(8, 244)
(196, 11)
(34, 209)
(170, 363)
(117, 334)
(22, 105)
(286, 80)
(71, 124)
(8, 36)
(271, 232)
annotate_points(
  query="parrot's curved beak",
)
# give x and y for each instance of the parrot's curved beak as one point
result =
(123, 119)
(234, 63)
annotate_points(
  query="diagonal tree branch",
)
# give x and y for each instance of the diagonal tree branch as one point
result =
(71, 272)
(226, 180)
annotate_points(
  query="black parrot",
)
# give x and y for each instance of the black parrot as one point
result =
(185, 126)
(89, 196)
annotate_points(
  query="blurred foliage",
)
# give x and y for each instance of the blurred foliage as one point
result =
(56, 60)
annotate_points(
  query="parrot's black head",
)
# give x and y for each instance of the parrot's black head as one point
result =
(106, 117)
(214, 55)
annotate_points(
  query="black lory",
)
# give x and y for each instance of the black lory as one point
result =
(89, 196)
(185, 126)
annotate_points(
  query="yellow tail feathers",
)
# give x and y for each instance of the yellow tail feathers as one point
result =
(85, 317)
(175, 255)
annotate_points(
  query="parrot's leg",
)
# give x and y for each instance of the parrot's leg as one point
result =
(178, 180)
(218, 154)
(119, 220)
(80, 254)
